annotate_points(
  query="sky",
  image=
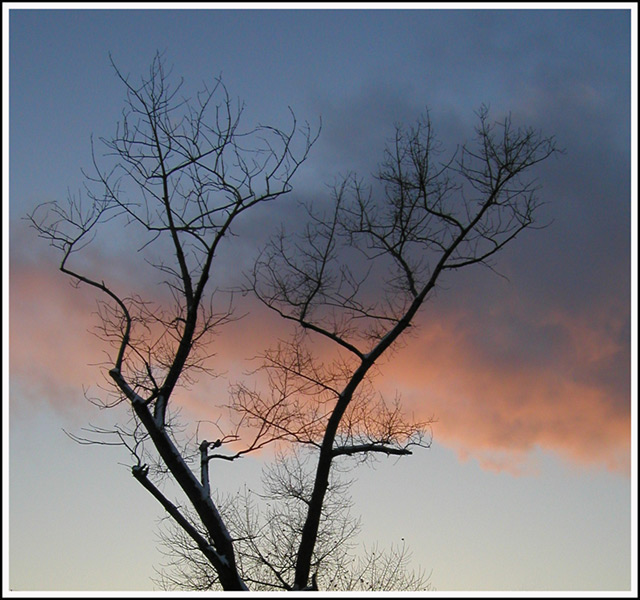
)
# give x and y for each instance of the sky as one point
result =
(530, 482)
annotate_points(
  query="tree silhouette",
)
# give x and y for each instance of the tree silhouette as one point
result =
(184, 172)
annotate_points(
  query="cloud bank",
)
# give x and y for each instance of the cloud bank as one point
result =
(501, 378)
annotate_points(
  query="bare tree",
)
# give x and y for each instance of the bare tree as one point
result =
(184, 171)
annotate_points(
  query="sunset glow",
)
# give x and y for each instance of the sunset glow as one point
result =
(525, 372)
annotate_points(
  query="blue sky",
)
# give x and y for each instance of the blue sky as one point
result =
(528, 484)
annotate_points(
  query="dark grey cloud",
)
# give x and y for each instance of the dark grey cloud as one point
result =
(564, 72)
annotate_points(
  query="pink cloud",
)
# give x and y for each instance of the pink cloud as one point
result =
(50, 349)
(499, 409)
(500, 385)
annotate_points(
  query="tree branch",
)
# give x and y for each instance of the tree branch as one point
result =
(140, 472)
(372, 447)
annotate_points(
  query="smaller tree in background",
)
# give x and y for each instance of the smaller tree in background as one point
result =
(268, 524)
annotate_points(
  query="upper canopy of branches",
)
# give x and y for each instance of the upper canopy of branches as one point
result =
(357, 268)
(182, 171)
